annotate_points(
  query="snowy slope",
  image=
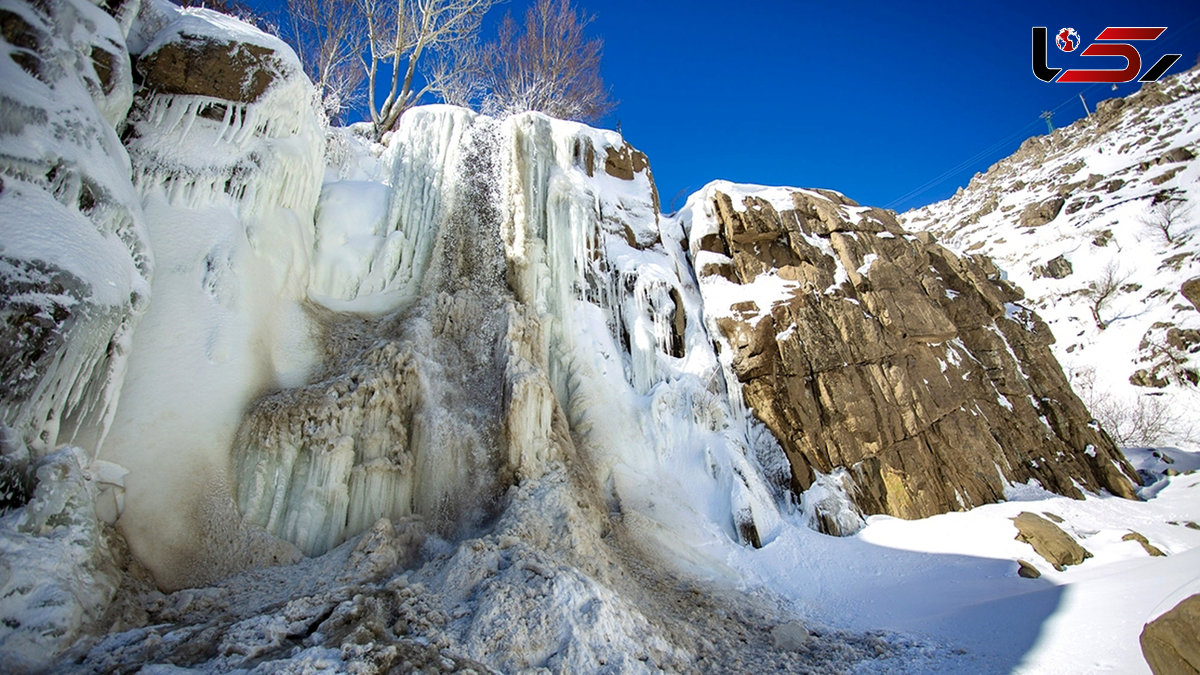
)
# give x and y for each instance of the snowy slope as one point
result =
(1080, 210)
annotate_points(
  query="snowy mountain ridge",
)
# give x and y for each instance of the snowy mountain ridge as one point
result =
(466, 400)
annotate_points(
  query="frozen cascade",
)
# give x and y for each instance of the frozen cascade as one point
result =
(413, 429)
(439, 395)
(629, 358)
(228, 202)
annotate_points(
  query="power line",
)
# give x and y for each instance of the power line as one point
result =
(1174, 37)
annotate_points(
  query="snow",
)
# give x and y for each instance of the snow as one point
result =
(1101, 231)
(952, 579)
(456, 396)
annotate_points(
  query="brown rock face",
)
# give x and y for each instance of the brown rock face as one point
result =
(1039, 214)
(1191, 291)
(233, 71)
(892, 357)
(1049, 541)
(1169, 642)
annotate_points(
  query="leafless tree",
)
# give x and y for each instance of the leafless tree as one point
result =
(1146, 420)
(1102, 290)
(1167, 218)
(329, 36)
(548, 65)
(399, 34)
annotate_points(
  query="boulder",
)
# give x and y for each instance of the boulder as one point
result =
(1057, 268)
(203, 66)
(1049, 541)
(1140, 538)
(1191, 291)
(1169, 643)
(1027, 570)
(791, 636)
(1040, 213)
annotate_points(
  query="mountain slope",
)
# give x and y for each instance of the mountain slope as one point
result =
(1099, 223)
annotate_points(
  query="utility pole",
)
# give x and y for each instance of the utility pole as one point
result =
(1049, 117)
(1084, 102)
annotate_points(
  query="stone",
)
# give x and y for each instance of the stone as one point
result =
(624, 162)
(1027, 570)
(1040, 213)
(911, 372)
(1191, 291)
(1180, 154)
(1140, 538)
(791, 636)
(1049, 541)
(201, 66)
(1169, 643)
(1057, 268)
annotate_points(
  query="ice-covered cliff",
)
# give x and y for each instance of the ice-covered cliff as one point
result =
(463, 395)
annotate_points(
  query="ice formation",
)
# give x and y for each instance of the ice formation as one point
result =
(74, 254)
(469, 385)
(463, 381)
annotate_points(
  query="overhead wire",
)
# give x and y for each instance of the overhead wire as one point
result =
(1177, 35)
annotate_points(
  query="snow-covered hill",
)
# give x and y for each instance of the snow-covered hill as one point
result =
(1099, 223)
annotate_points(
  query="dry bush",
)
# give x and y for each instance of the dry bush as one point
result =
(1145, 422)
(1168, 219)
(547, 64)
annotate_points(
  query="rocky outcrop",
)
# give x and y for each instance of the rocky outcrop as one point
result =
(1040, 213)
(1049, 541)
(1056, 268)
(1169, 642)
(201, 66)
(1191, 291)
(1150, 549)
(863, 346)
(74, 259)
(1096, 195)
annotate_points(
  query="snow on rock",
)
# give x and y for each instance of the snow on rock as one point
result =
(74, 251)
(58, 567)
(1076, 219)
(229, 188)
(452, 401)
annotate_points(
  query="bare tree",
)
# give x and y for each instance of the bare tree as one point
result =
(329, 36)
(1146, 420)
(1167, 218)
(1102, 290)
(547, 65)
(399, 33)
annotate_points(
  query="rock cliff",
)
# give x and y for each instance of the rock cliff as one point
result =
(1098, 223)
(866, 348)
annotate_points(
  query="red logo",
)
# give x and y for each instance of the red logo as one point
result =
(1112, 41)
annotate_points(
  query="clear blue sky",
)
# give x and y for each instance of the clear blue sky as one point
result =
(873, 99)
(876, 99)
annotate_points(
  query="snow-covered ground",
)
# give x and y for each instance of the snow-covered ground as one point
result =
(953, 578)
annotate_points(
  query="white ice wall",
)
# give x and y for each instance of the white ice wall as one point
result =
(229, 207)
